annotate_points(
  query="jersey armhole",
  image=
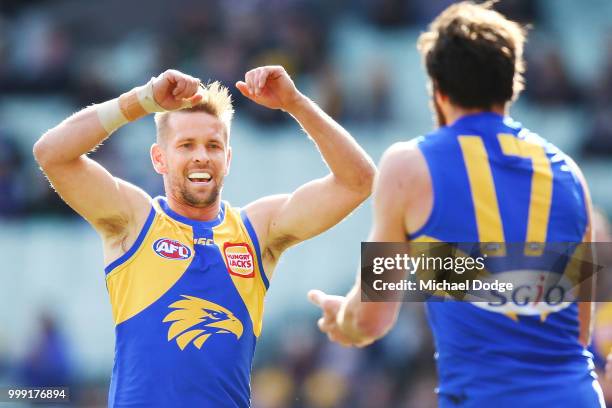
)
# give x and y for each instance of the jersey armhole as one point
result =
(253, 236)
(135, 246)
(433, 214)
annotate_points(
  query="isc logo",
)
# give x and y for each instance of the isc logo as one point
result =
(171, 249)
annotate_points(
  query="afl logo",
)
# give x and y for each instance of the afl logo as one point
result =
(171, 249)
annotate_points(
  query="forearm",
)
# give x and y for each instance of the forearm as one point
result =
(85, 130)
(348, 162)
(348, 318)
(75, 136)
(365, 322)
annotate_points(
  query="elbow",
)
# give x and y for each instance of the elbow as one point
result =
(43, 153)
(364, 181)
(40, 152)
(369, 176)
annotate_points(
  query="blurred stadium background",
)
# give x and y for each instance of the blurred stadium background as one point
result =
(358, 60)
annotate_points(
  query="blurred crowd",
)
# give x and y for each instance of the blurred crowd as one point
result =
(308, 371)
(297, 367)
(90, 52)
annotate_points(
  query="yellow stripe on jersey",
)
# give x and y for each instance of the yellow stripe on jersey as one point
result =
(425, 238)
(484, 197)
(541, 187)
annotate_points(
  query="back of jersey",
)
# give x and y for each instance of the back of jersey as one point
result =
(494, 181)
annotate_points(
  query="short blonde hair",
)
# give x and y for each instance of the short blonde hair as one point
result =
(217, 102)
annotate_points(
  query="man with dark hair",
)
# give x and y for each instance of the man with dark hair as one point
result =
(481, 177)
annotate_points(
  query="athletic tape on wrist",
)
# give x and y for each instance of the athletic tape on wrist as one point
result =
(147, 100)
(110, 115)
(149, 104)
(127, 107)
(131, 106)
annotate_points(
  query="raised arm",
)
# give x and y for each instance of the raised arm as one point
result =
(115, 208)
(400, 190)
(284, 220)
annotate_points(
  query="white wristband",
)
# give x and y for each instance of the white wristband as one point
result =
(117, 112)
(110, 115)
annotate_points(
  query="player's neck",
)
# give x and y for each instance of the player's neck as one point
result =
(454, 113)
(207, 213)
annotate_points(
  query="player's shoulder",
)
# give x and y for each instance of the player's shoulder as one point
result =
(254, 214)
(262, 210)
(135, 209)
(264, 206)
(403, 168)
(403, 158)
(438, 140)
(533, 137)
(561, 160)
(552, 151)
(577, 173)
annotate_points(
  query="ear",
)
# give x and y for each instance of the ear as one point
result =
(158, 158)
(435, 91)
(439, 96)
(229, 160)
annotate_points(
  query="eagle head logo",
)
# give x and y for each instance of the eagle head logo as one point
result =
(195, 320)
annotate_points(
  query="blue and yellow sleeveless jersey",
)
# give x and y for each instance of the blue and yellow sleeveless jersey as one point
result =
(494, 181)
(187, 301)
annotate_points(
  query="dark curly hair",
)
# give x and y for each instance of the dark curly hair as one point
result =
(474, 55)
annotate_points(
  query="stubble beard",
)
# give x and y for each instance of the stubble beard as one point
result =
(198, 200)
(195, 201)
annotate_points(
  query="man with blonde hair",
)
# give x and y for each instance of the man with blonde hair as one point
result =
(187, 273)
(481, 177)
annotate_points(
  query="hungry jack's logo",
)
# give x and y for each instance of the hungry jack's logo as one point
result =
(239, 259)
(195, 320)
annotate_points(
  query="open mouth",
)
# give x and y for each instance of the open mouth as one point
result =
(199, 177)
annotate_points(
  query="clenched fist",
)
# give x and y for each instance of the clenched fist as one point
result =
(271, 87)
(174, 90)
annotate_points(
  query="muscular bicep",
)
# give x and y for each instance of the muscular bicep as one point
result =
(310, 210)
(109, 204)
